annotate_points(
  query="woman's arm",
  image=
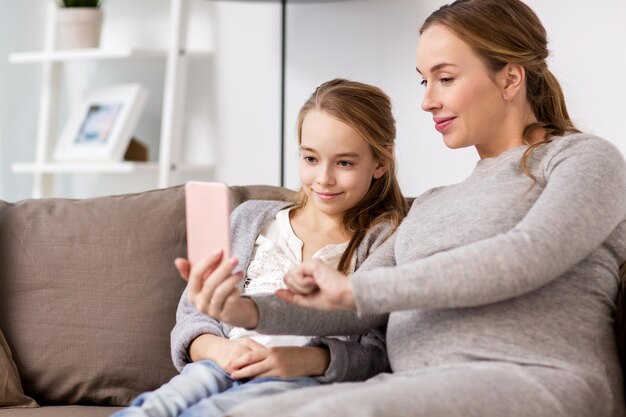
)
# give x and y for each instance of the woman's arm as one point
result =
(583, 201)
(279, 317)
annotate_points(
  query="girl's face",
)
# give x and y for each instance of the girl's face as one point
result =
(336, 164)
(464, 98)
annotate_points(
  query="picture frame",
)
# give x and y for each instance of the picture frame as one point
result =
(100, 127)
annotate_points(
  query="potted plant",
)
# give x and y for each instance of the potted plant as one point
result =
(79, 23)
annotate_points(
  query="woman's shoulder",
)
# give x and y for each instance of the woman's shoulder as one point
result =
(575, 143)
(588, 148)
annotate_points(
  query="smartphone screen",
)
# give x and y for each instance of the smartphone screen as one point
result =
(207, 211)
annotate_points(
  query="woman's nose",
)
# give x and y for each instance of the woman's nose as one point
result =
(429, 102)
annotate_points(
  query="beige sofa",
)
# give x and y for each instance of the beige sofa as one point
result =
(88, 294)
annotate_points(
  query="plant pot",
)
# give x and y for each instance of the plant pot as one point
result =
(78, 27)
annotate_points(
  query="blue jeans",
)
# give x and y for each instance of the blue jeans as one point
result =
(203, 389)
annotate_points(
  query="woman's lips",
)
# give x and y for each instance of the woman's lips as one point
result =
(442, 123)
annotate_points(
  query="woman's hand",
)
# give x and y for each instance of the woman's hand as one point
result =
(282, 362)
(213, 290)
(314, 284)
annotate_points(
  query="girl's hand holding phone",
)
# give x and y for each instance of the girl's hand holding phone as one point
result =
(213, 290)
(313, 284)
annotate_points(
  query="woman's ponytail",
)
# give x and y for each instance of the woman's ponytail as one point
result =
(547, 101)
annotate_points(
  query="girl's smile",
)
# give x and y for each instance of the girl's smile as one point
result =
(326, 196)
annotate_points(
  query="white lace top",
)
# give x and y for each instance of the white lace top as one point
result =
(277, 250)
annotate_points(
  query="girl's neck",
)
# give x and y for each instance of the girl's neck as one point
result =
(308, 221)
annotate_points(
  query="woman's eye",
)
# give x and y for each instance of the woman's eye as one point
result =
(309, 159)
(423, 83)
(446, 80)
(345, 163)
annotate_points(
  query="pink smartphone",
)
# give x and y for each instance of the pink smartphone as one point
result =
(207, 211)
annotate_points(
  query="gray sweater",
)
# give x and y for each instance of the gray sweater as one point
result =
(354, 360)
(488, 270)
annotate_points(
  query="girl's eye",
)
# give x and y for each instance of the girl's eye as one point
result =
(446, 80)
(309, 159)
(423, 83)
(345, 163)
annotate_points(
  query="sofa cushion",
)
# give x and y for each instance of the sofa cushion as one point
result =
(88, 293)
(240, 194)
(11, 394)
(61, 411)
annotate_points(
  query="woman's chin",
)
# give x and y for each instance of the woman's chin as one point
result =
(454, 143)
(451, 143)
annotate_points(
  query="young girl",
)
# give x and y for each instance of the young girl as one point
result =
(349, 203)
(500, 289)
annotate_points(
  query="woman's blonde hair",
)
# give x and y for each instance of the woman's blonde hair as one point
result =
(508, 31)
(366, 109)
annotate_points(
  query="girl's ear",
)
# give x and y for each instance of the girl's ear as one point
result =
(380, 170)
(512, 79)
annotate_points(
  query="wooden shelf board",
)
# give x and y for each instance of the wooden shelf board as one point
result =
(96, 54)
(101, 167)
(92, 167)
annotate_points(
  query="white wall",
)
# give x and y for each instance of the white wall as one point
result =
(233, 111)
(233, 106)
(374, 41)
(17, 88)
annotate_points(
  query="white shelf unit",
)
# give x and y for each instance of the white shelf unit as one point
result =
(51, 59)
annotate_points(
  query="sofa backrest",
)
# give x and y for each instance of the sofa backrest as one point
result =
(88, 291)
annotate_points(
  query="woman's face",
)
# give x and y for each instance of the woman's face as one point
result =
(336, 164)
(462, 95)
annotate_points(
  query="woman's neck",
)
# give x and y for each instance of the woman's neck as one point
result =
(511, 134)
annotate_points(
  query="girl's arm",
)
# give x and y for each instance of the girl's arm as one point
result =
(583, 202)
(190, 325)
(328, 359)
(355, 360)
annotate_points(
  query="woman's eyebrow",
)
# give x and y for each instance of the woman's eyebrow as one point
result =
(437, 67)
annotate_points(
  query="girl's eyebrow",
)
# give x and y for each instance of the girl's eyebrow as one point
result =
(347, 155)
(338, 155)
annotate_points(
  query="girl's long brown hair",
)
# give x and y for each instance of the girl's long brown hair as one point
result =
(508, 31)
(367, 109)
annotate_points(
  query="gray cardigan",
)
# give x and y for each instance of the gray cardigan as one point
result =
(349, 360)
